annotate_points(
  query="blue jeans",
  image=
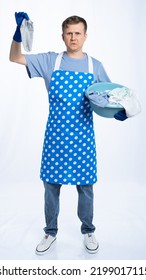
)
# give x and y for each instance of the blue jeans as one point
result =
(85, 208)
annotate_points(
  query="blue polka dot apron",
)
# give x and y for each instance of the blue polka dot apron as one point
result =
(69, 152)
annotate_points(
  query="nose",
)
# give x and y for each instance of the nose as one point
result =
(73, 36)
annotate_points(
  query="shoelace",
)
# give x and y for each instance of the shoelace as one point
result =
(91, 237)
(44, 239)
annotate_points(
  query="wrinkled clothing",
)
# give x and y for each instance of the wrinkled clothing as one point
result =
(127, 98)
(100, 100)
(27, 30)
(84, 208)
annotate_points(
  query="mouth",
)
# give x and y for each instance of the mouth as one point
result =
(73, 44)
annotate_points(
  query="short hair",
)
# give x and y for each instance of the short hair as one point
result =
(74, 20)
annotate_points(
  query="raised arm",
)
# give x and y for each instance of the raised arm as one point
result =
(15, 50)
(16, 54)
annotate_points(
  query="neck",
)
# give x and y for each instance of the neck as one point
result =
(75, 54)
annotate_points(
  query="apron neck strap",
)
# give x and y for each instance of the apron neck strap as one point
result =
(90, 65)
(58, 62)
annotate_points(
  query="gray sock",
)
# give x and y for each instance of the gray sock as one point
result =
(27, 30)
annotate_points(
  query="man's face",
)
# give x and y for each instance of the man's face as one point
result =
(74, 37)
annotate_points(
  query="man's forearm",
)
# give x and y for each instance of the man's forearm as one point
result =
(16, 53)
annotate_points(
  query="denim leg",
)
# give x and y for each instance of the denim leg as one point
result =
(52, 192)
(85, 208)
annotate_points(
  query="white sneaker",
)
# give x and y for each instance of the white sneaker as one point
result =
(90, 243)
(45, 244)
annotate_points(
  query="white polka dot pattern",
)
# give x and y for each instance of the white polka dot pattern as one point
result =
(69, 152)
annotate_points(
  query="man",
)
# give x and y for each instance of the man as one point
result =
(69, 152)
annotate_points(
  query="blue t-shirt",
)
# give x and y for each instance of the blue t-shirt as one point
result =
(42, 65)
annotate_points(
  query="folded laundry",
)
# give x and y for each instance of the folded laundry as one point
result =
(27, 30)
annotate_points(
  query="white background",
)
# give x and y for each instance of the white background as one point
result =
(116, 37)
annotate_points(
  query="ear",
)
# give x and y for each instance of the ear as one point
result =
(62, 37)
(85, 36)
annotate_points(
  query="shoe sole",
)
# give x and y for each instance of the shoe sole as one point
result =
(92, 251)
(45, 251)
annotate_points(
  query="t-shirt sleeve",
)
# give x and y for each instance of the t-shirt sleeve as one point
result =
(102, 75)
(38, 65)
